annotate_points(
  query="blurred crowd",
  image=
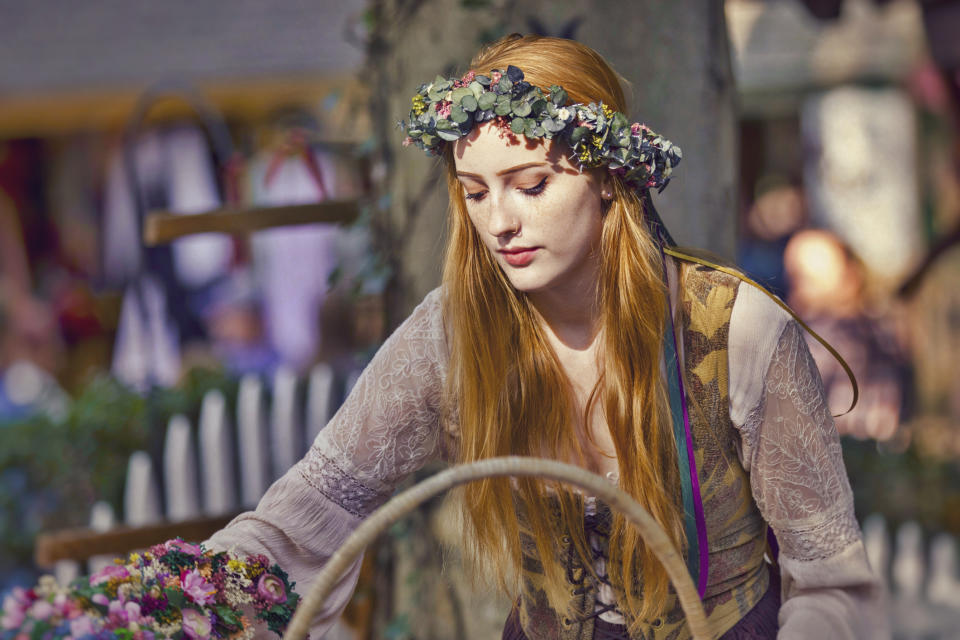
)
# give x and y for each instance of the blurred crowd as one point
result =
(81, 295)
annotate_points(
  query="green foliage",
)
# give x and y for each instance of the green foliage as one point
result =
(52, 470)
(904, 485)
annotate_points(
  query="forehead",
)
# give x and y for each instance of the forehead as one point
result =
(489, 148)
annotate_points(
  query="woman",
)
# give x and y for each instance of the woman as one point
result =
(547, 338)
(557, 333)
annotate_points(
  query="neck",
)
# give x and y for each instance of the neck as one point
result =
(571, 312)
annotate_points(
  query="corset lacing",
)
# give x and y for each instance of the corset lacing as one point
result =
(577, 575)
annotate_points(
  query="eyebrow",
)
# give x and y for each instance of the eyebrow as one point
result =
(519, 167)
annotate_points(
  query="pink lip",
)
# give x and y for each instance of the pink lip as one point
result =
(519, 257)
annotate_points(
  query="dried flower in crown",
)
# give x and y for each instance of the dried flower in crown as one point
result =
(447, 109)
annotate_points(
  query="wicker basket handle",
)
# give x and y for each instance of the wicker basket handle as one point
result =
(405, 502)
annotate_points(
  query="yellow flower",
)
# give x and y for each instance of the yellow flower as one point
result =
(597, 141)
(607, 111)
(236, 566)
(418, 104)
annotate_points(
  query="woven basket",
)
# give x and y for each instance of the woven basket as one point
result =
(653, 534)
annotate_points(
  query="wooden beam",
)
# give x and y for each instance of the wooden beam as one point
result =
(81, 544)
(161, 227)
(253, 100)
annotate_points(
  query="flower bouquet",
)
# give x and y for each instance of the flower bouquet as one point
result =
(174, 590)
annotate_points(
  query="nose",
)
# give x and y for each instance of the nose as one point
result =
(504, 219)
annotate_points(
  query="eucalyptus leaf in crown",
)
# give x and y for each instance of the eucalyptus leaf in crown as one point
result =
(447, 109)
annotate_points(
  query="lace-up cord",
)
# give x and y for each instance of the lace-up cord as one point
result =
(577, 575)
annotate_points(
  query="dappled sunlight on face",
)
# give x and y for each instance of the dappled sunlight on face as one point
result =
(539, 215)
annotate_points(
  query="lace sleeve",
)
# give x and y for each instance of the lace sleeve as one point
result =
(387, 428)
(792, 450)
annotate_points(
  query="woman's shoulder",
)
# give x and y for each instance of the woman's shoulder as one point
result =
(717, 284)
(424, 327)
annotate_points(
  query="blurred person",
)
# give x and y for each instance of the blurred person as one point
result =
(827, 288)
(234, 326)
(778, 211)
(31, 346)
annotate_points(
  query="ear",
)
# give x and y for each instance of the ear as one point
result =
(606, 186)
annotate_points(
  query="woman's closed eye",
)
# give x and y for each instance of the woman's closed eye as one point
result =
(535, 190)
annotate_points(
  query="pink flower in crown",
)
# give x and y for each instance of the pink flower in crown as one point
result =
(495, 77)
(109, 572)
(468, 77)
(196, 587)
(635, 129)
(407, 141)
(196, 625)
(443, 109)
(271, 589)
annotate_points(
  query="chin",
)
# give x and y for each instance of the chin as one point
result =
(528, 282)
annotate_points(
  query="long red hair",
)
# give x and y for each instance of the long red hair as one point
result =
(509, 393)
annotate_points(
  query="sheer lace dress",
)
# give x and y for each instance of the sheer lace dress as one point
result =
(389, 427)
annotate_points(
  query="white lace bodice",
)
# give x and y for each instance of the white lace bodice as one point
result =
(389, 426)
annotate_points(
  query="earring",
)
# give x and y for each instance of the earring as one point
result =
(606, 194)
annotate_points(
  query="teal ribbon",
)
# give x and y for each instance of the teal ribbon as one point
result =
(683, 459)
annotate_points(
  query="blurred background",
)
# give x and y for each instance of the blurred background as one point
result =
(820, 152)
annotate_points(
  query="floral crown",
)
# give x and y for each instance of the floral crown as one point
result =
(447, 109)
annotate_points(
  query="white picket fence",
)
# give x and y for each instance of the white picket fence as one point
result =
(922, 578)
(227, 463)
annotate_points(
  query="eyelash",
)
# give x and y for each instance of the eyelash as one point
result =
(533, 191)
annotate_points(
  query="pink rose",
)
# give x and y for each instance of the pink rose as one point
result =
(15, 606)
(118, 614)
(196, 625)
(495, 77)
(109, 572)
(179, 545)
(12, 616)
(101, 599)
(41, 610)
(196, 587)
(81, 626)
(271, 589)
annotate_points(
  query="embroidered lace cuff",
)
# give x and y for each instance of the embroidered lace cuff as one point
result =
(323, 473)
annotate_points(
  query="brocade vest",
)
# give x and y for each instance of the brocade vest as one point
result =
(738, 577)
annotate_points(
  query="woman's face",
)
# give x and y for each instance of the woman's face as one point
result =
(538, 214)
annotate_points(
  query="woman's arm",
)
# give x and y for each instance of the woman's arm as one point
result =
(387, 428)
(792, 451)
